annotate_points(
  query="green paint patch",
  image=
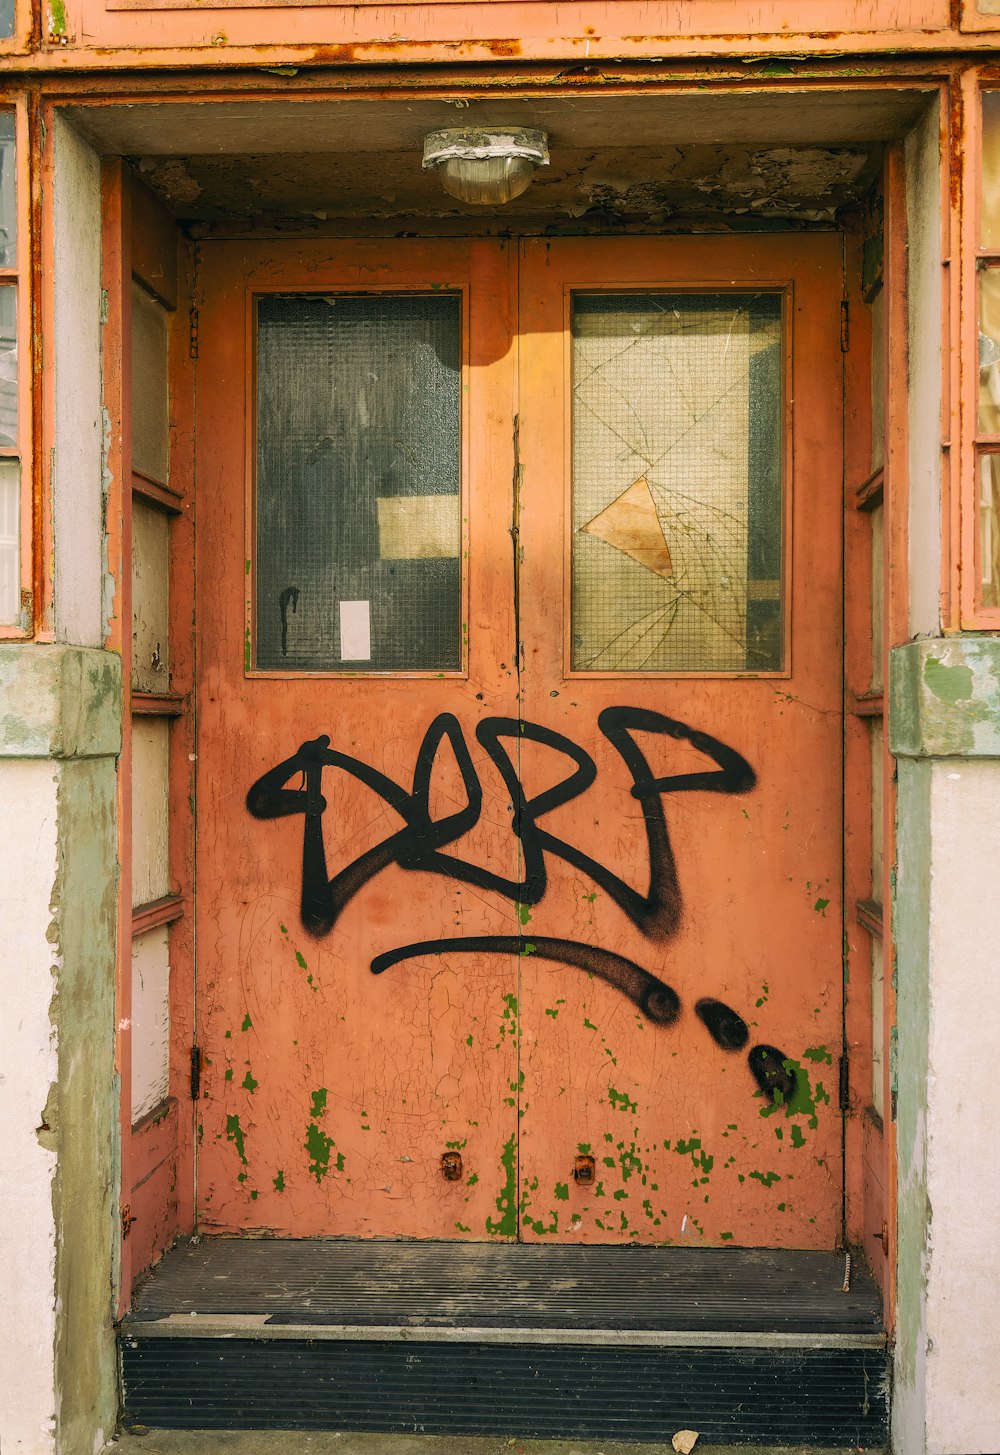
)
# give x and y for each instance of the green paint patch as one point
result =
(562, 1191)
(819, 1054)
(460, 1227)
(527, 948)
(948, 684)
(317, 1105)
(523, 913)
(279, 1181)
(472, 1179)
(803, 1100)
(726, 1237)
(229, 1073)
(765, 991)
(505, 1226)
(553, 1011)
(766, 1179)
(620, 1100)
(301, 960)
(57, 17)
(236, 1135)
(584, 1148)
(319, 1147)
(249, 1084)
(247, 1023)
(821, 906)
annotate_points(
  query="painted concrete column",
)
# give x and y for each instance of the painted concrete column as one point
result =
(60, 733)
(944, 729)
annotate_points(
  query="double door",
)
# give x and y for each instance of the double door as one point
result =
(519, 740)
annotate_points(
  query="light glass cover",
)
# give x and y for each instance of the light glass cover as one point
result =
(486, 180)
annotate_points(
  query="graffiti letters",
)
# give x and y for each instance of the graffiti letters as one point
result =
(421, 846)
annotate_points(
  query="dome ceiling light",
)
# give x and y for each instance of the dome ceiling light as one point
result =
(485, 166)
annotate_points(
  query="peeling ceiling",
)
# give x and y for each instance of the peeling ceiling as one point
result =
(808, 184)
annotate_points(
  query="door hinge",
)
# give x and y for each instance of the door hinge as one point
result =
(195, 1072)
(845, 325)
(127, 1219)
(193, 334)
(845, 1083)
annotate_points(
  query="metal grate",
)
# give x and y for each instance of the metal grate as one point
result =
(677, 481)
(358, 482)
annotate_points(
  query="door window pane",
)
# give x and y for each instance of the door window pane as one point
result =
(677, 482)
(10, 544)
(359, 483)
(8, 367)
(8, 182)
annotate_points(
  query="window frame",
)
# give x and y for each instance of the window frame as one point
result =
(20, 279)
(251, 670)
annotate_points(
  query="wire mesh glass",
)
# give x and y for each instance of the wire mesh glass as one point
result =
(8, 178)
(677, 482)
(359, 482)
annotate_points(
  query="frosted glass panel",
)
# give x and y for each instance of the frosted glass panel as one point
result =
(10, 553)
(989, 529)
(150, 597)
(8, 366)
(990, 213)
(677, 479)
(150, 817)
(8, 182)
(150, 1021)
(150, 401)
(358, 562)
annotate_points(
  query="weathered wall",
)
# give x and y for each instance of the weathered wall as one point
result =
(59, 735)
(924, 284)
(76, 383)
(946, 735)
(28, 1053)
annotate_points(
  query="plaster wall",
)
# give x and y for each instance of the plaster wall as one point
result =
(924, 288)
(28, 869)
(77, 485)
(963, 1160)
(945, 734)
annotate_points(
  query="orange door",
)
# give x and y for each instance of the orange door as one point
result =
(680, 627)
(519, 636)
(354, 627)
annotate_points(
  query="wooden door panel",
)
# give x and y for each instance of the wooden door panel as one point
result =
(693, 1056)
(331, 1094)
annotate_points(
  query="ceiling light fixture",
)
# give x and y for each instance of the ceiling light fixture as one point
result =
(485, 167)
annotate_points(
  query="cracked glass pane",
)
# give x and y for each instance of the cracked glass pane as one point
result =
(677, 482)
(8, 367)
(8, 181)
(359, 483)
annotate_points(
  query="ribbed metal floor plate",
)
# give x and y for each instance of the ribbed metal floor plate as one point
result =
(742, 1396)
(474, 1285)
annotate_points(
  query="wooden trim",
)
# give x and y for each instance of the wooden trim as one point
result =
(156, 493)
(870, 492)
(158, 704)
(868, 913)
(156, 913)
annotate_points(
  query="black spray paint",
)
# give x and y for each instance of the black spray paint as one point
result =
(419, 846)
